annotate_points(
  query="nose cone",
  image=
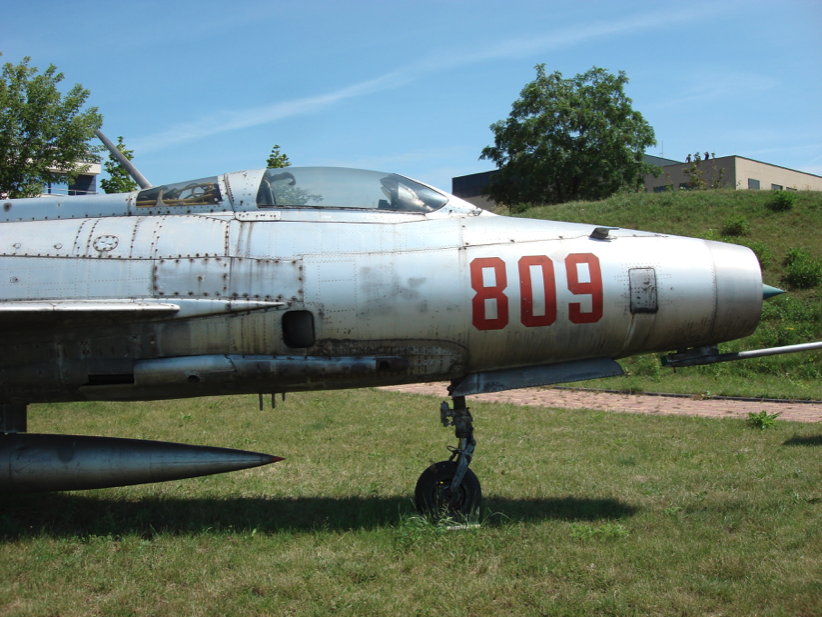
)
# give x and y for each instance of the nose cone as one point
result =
(739, 291)
(769, 292)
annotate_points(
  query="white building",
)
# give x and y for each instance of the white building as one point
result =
(84, 184)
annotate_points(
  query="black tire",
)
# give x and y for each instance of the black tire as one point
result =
(433, 492)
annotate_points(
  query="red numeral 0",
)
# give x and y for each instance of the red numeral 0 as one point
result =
(527, 291)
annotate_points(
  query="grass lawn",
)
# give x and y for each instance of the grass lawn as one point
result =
(586, 513)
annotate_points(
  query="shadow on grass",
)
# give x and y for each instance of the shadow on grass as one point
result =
(69, 515)
(796, 440)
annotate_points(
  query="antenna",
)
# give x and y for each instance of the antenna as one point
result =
(127, 165)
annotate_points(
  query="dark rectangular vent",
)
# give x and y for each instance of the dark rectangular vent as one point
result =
(643, 290)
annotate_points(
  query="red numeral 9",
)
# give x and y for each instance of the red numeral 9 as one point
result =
(593, 287)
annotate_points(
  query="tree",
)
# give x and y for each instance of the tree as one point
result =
(119, 180)
(569, 139)
(277, 159)
(696, 174)
(44, 135)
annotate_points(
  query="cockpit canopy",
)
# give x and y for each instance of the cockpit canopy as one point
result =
(335, 188)
(341, 188)
(203, 192)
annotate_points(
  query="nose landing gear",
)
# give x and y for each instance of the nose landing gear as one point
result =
(450, 487)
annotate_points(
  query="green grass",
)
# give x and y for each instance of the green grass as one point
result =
(786, 320)
(703, 214)
(587, 513)
(696, 213)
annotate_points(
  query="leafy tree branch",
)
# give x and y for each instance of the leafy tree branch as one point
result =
(119, 180)
(44, 135)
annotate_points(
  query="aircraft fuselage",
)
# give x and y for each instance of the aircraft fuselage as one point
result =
(129, 297)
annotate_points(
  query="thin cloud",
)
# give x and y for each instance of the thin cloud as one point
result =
(397, 159)
(816, 170)
(575, 35)
(229, 120)
(810, 164)
(796, 150)
(717, 87)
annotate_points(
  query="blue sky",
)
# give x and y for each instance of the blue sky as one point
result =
(206, 87)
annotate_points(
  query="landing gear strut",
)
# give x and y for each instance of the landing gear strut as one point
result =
(450, 487)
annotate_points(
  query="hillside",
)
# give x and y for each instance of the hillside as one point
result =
(788, 245)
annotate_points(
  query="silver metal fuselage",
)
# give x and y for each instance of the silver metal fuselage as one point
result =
(105, 299)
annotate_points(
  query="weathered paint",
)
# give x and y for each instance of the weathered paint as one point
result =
(378, 283)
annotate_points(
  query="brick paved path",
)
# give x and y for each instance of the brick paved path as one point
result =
(634, 403)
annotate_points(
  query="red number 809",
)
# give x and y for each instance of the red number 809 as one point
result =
(490, 304)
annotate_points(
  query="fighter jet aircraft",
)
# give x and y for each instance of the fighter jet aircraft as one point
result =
(311, 278)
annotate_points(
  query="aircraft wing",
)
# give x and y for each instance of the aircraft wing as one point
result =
(62, 313)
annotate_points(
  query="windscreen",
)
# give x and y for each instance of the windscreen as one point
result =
(340, 188)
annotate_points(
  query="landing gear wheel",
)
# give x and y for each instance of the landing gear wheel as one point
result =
(433, 492)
